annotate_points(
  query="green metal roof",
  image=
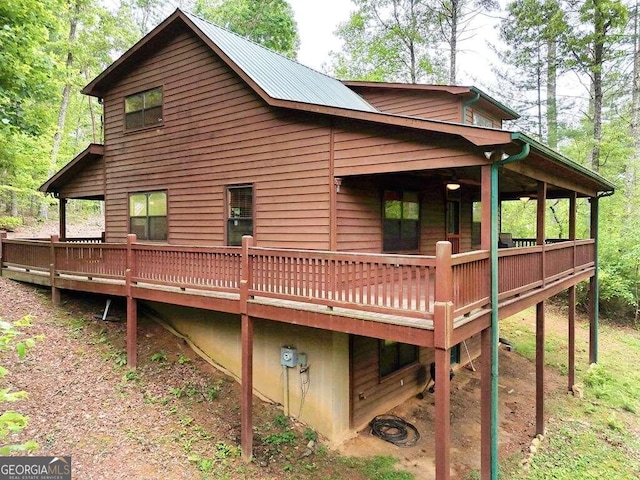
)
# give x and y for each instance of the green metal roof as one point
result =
(280, 77)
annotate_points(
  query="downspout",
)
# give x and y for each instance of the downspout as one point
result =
(495, 333)
(596, 281)
(468, 103)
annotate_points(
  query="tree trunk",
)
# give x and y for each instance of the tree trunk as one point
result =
(596, 75)
(552, 107)
(453, 41)
(94, 128)
(631, 168)
(14, 203)
(64, 104)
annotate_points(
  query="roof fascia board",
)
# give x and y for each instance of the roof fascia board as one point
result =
(91, 88)
(478, 136)
(495, 102)
(452, 89)
(561, 159)
(94, 149)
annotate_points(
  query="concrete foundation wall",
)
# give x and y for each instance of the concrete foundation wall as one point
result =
(319, 397)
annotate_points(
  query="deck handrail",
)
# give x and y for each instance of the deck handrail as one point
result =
(404, 285)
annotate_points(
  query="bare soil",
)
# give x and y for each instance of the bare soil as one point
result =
(176, 412)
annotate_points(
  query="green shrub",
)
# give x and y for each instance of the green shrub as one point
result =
(10, 223)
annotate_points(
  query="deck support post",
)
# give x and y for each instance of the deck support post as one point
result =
(62, 204)
(571, 361)
(246, 402)
(55, 292)
(132, 330)
(540, 368)
(246, 410)
(443, 328)
(3, 236)
(594, 292)
(132, 307)
(485, 403)
(443, 414)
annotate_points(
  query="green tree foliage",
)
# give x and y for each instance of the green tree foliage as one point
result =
(267, 22)
(530, 31)
(390, 40)
(12, 421)
(28, 75)
(26, 67)
(453, 17)
(594, 49)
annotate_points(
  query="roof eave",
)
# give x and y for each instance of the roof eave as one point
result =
(95, 87)
(478, 136)
(93, 150)
(512, 113)
(607, 186)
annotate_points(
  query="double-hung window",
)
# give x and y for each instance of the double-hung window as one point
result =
(148, 215)
(239, 213)
(143, 109)
(401, 222)
(395, 355)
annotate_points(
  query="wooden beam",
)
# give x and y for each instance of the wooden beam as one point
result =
(327, 320)
(55, 291)
(132, 329)
(246, 401)
(528, 170)
(485, 202)
(443, 414)
(572, 339)
(63, 218)
(132, 306)
(540, 368)
(485, 404)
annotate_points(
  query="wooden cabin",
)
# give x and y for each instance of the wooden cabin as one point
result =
(291, 224)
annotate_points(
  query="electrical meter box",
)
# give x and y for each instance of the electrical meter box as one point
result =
(288, 357)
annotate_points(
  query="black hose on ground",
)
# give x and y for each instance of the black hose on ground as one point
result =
(394, 430)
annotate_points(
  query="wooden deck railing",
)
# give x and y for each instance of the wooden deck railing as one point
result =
(205, 268)
(393, 284)
(403, 285)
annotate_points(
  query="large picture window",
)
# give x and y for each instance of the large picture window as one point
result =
(143, 109)
(401, 221)
(395, 355)
(239, 213)
(148, 215)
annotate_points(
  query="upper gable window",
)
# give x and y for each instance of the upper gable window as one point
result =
(143, 109)
(482, 121)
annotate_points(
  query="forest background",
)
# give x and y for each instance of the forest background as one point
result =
(570, 68)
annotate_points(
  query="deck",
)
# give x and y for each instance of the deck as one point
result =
(401, 297)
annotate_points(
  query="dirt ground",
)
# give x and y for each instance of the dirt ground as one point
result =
(156, 422)
(81, 403)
